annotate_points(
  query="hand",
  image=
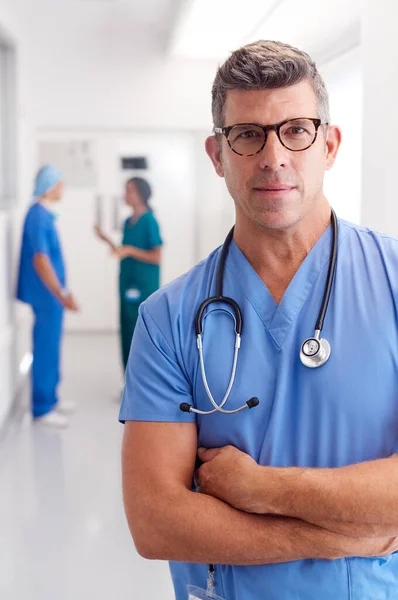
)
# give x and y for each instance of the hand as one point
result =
(229, 475)
(69, 303)
(382, 546)
(122, 252)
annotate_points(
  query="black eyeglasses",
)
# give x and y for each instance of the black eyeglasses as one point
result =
(247, 139)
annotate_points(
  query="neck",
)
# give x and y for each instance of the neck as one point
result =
(276, 255)
(47, 203)
(140, 210)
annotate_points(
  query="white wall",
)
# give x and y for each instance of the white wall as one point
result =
(380, 124)
(343, 78)
(214, 206)
(6, 328)
(14, 320)
(86, 80)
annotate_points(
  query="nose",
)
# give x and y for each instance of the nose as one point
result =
(274, 155)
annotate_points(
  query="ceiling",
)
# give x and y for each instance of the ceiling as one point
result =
(210, 29)
(199, 29)
(124, 17)
(145, 12)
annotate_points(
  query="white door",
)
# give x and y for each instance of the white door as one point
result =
(92, 270)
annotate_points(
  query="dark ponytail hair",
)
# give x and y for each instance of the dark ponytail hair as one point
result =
(144, 190)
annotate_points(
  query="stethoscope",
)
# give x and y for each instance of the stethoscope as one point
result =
(314, 351)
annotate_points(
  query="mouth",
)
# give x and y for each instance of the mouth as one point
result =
(274, 190)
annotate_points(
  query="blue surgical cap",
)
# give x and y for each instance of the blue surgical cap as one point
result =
(47, 178)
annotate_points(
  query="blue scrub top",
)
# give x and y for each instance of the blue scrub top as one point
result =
(342, 413)
(39, 236)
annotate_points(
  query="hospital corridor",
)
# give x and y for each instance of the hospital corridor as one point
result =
(198, 300)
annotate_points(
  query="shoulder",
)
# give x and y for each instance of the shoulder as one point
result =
(149, 218)
(37, 215)
(175, 304)
(370, 258)
(370, 240)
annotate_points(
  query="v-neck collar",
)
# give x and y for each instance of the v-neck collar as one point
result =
(279, 318)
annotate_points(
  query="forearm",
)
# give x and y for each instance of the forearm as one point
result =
(199, 528)
(45, 271)
(361, 498)
(104, 238)
(109, 242)
(148, 256)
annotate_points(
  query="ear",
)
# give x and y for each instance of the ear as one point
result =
(333, 141)
(213, 149)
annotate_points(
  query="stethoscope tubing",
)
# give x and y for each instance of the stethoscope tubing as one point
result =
(318, 359)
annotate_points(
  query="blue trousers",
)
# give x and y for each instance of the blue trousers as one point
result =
(47, 334)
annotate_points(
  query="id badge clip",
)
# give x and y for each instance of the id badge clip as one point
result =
(197, 593)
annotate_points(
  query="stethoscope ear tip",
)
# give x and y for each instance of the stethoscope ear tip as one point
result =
(253, 402)
(185, 407)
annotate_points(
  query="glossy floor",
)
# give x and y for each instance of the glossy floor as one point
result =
(63, 534)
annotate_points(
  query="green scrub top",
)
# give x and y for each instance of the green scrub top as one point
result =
(139, 279)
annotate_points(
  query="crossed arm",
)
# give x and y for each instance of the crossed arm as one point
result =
(226, 523)
(357, 500)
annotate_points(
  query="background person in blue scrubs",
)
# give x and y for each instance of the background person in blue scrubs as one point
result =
(42, 284)
(299, 495)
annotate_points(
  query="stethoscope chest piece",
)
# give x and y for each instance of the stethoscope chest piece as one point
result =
(314, 352)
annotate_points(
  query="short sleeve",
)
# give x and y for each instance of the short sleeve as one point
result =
(155, 383)
(38, 233)
(154, 237)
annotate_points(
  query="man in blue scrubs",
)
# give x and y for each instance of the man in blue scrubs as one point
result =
(42, 284)
(299, 495)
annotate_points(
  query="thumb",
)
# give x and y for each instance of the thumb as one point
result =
(206, 454)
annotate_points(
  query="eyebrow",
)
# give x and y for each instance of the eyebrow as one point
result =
(270, 124)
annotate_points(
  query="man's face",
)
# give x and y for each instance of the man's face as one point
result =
(276, 187)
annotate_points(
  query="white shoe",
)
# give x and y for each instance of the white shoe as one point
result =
(52, 419)
(65, 407)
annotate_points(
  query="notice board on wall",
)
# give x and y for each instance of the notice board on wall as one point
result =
(75, 159)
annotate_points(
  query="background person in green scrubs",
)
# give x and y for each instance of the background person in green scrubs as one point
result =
(140, 256)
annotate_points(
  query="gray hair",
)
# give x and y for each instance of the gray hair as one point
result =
(266, 65)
